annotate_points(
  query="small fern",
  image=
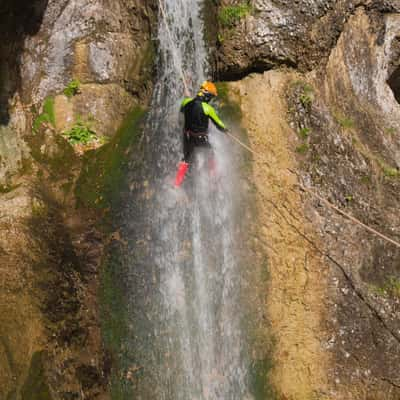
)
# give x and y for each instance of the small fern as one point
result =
(80, 133)
(72, 88)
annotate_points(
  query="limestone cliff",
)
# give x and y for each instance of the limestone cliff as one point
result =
(70, 64)
(318, 87)
(329, 122)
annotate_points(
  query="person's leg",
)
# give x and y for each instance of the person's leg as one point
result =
(188, 147)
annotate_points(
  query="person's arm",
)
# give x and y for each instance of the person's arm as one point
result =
(210, 112)
(185, 101)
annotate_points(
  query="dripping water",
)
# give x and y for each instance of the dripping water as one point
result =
(185, 265)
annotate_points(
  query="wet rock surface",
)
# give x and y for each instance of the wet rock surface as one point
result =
(51, 243)
(344, 117)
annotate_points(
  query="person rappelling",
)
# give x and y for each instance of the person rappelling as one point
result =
(197, 112)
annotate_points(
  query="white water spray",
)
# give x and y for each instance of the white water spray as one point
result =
(188, 337)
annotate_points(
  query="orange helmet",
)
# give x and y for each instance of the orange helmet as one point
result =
(209, 87)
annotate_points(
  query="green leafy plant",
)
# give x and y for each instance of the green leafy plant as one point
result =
(47, 115)
(80, 133)
(305, 92)
(72, 88)
(229, 16)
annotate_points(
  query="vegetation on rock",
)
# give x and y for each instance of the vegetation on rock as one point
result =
(229, 16)
(72, 88)
(80, 133)
(47, 115)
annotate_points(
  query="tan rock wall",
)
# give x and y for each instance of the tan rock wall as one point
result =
(297, 285)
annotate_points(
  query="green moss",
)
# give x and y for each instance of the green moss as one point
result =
(391, 131)
(390, 172)
(114, 322)
(345, 122)
(227, 108)
(302, 149)
(349, 198)
(366, 179)
(47, 115)
(35, 386)
(58, 160)
(229, 16)
(390, 288)
(304, 133)
(112, 309)
(103, 170)
(259, 380)
(231, 113)
(48, 109)
(8, 188)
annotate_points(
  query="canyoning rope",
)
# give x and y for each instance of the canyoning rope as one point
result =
(173, 49)
(238, 141)
(325, 201)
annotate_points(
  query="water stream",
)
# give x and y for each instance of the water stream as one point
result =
(186, 282)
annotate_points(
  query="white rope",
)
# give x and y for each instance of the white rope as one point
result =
(175, 56)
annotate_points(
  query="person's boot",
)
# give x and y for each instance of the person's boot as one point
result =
(180, 175)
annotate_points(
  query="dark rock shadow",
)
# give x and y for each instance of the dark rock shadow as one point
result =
(18, 19)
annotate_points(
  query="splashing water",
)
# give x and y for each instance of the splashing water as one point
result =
(185, 277)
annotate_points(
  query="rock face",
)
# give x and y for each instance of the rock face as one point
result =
(334, 123)
(50, 244)
(273, 33)
(322, 113)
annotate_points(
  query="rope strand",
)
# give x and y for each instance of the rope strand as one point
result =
(325, 201)
(173, 49)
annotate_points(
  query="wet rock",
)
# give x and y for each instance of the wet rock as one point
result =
(301, 36)
(50, 249)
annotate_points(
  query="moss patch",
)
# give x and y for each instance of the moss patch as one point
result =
(229, 16)
(53, 153)
(103, 171)
(230, 110)
(114, 320)
(47, 115)
(259, 380)
(112, 299)
(35, 386)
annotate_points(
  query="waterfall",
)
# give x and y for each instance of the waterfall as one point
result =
(185, 265)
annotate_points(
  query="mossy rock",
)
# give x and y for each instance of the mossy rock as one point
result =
(103, 171)
(35, 386)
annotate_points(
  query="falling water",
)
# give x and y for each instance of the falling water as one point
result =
(185, 279)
